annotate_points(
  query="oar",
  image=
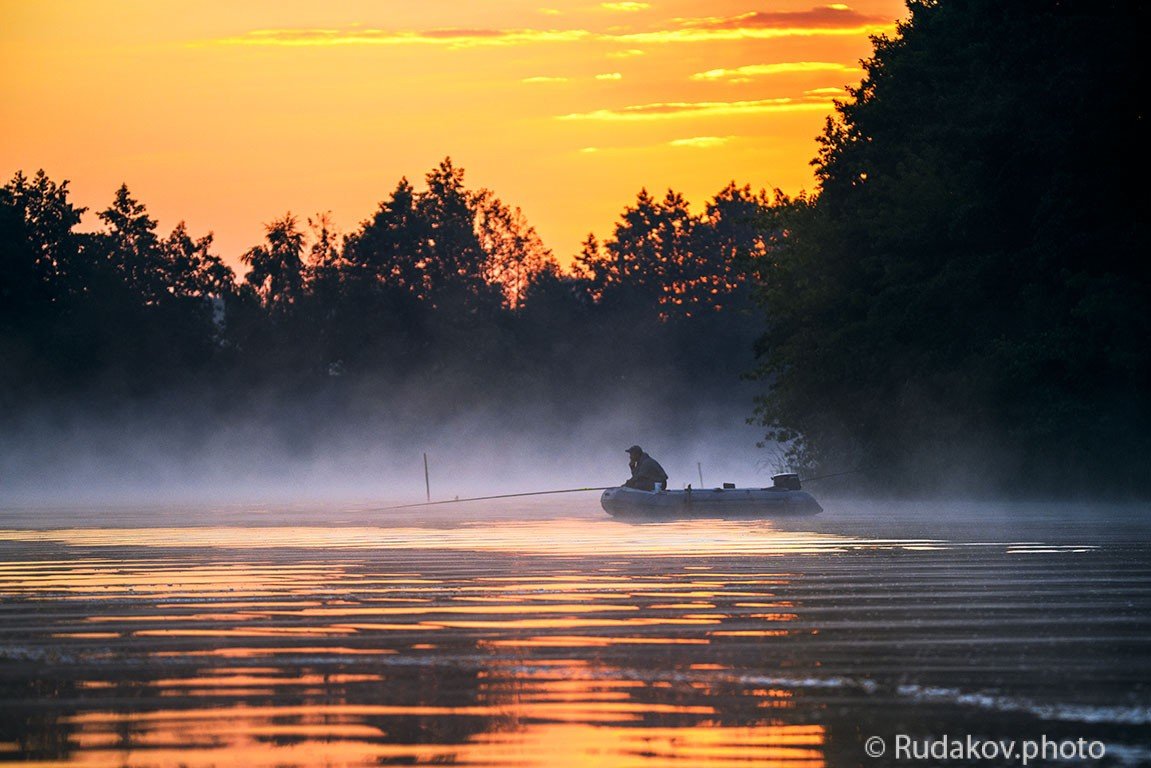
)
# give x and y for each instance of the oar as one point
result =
(489, 498)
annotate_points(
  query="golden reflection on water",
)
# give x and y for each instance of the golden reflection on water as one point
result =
(562, 714)
(563, 536)
(251, 655)
(532, 643)
(252, 739)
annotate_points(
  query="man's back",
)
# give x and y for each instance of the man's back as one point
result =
(645, 473)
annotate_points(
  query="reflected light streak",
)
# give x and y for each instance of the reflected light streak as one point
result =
(248, 738)
(256, 653)
(589, 641)
(564, 536)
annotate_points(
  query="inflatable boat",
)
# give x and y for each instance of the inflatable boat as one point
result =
(784, 497)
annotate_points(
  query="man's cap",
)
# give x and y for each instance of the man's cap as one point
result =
(635, 449)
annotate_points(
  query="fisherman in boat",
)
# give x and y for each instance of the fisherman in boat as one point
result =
(645, 471)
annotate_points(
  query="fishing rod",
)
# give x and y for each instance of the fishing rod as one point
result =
(835, 474)
(489, 498)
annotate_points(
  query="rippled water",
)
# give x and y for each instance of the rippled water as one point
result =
(548, 634)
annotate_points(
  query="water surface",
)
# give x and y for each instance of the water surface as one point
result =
(544, 633)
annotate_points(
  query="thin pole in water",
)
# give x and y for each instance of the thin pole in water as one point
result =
(427, 478)
(699, 466)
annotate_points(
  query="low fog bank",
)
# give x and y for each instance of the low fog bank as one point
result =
(365, 447)
(176, 453)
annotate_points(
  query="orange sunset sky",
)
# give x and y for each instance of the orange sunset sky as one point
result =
(227, 114)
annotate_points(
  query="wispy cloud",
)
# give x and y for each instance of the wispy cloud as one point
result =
(683, 109)
(626, 7)
(451, 38)
(765, 25)
(545, 79)
(825, 20)
(834, 93)
(693, 142)
(747, 73)
(820, 17)
(701, 142)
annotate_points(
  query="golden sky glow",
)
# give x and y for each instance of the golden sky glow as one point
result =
(228, 114)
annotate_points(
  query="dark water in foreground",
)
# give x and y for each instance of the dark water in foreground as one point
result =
(547, 634)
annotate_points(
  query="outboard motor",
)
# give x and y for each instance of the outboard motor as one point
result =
(788, 481)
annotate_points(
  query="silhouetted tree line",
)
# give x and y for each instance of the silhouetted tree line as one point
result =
(966, 298)
(970, 289)
(444, 299)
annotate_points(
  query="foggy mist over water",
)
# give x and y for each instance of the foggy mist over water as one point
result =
(165, 453)
(362, 453)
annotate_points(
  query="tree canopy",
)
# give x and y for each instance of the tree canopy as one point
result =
(969, 290)
(444, 298)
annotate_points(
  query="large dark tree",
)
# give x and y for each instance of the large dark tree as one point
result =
(132, 247)
(969, 289)
(635, 268)
(39, 266)
(450, 255)
(515, 254)
(276, 268)
(38, 251)
(384, 250)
